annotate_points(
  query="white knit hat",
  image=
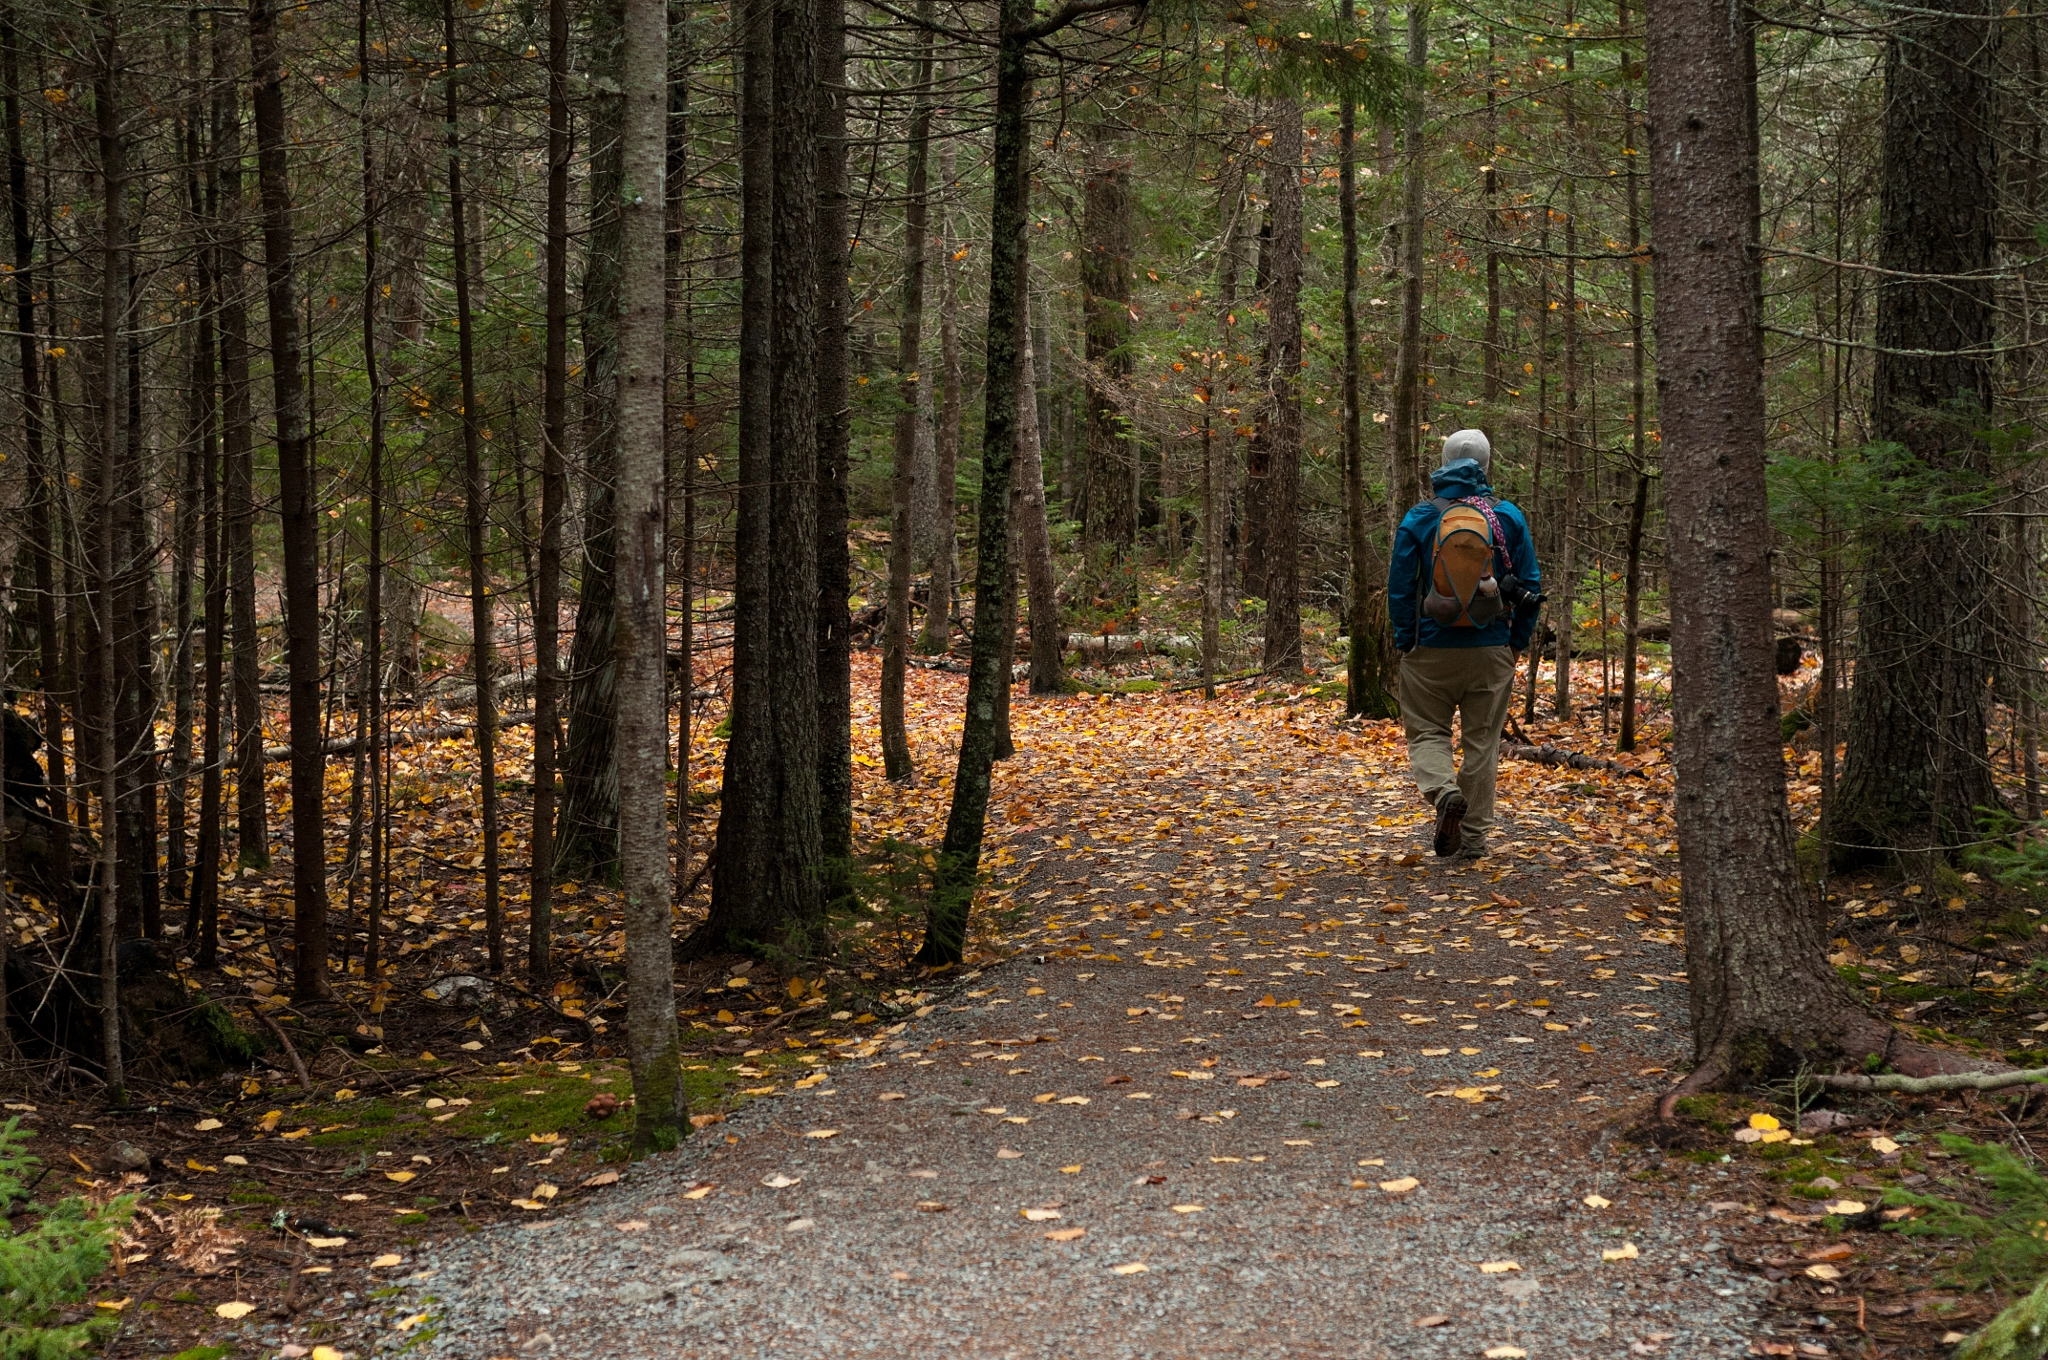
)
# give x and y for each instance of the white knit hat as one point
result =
(1468, 444)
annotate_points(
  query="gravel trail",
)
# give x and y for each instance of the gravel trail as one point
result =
(1221, 1152)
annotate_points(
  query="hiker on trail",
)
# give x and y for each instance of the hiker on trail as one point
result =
(1463, 594)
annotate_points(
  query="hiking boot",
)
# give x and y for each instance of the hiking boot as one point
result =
(1450, 823)
(1472, 850)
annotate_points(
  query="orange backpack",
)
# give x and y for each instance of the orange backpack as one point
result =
(1464, 591)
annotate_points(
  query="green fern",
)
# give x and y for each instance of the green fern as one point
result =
(48, 1268)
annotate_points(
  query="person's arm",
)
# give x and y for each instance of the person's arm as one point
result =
(1522, 556)
(1402, 573)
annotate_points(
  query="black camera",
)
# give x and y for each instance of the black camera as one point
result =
(1515, 593)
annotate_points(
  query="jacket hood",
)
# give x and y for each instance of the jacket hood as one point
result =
(1464, 477)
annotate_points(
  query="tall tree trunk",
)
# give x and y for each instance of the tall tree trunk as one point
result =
(679, 421)
(1368, 690)
(959, 862)
(1916, 770)
(945, 556)
(185, 563)
(897, 763)
(835, 436)
(43, 490)
(1034, 533)
(195, 556)
(135, 631)
(1638, 412)
(113, 168)
(1495, 220)
(660, 1107)
(1566, 589)
(371, 695)
(1763, 997)
(1111, 519)
(553, 498)
(587, 831)
(238, 474)
(299, 509)
(1404, 427)
(1279, 435)
(482, 649)
(767, 885)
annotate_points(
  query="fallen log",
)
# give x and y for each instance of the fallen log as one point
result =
(1107, 646)
(346, 746)
(1557, 755)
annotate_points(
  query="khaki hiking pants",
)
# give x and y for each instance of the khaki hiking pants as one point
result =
(1476, 684)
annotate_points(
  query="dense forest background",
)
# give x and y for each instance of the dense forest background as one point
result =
(330, 380)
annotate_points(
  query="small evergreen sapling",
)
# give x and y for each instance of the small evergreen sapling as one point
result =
(49, 1267)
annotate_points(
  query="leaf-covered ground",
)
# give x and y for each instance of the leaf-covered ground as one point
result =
(1155, 861)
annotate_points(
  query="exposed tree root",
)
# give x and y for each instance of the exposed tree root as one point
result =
(1927, 1086)
(1857, 1037)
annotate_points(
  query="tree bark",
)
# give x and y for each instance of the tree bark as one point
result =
(1638, 412)
(587, 831)
(43, 494)
(1565, 591)
(299, 510)
(1404, 426)
(371, 697)
(553, 497)
(835, 436)
(766, 889)
(660, 1106)
(1763, 998)
(937, 638)
(1916, 771)
(482, 647)
(1110, 520)
(1276, 448)
(959, 863)
(238, 474)
(897, 763)
(1035, 533)
(1368, 691)
(113, 170)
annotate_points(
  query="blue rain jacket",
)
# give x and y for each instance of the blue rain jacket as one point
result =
(1407, 574)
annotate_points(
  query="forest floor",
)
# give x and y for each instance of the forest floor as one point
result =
(1236, 1068)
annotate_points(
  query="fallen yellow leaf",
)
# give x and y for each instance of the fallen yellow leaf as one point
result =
(1625, 1252)
(1131, 1268)
(1498, 1267)
(234, 1311)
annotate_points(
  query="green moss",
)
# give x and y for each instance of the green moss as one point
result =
(252, 1197)
(407, 1219)
(1138, 687)
(2019, 1333)
(228, 1040)
(205, 1353)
